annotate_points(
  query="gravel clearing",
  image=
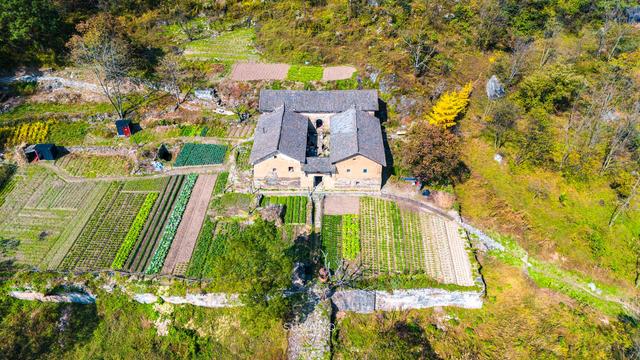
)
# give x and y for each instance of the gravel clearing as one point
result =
(258, 71)
(333, 73)
(341, 205)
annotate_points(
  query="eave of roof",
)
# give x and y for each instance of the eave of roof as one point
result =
(332, 101)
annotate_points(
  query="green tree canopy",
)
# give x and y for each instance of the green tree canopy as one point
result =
(29, 29)
(256, 262)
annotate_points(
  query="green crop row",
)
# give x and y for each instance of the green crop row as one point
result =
(172, 225)
(134, 231)
(295, 207)
(221, 182)
(305, 73)
(350, 237)
(199, 258)
(331, 234)
(201, 154)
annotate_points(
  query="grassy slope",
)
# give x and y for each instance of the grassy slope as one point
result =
(517, 319)
(117, 327)
(525, 204)
(31, 110)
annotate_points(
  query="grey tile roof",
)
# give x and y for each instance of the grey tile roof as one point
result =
(319, 101)
(320, 165)
(280, 131)
(356, 132)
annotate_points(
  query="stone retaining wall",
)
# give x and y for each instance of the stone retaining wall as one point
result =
(70, 297)
(363, 301)
(211, 300)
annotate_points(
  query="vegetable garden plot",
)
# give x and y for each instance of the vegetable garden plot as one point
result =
(171, 227)
(332, 238)
(92, 166)
(134, 231)
(66, 195)
(210, 246)
(396, 241)
(186, 236)
(102, 236)
(241, 131)
(36, 231)
(221, 182)
(242, 157)
(146, 185)
(295, 207)
(201, 251)
(45, 214)
(201, 154)
(350, 237)
(147, 241)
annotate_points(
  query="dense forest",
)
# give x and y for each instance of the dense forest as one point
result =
(528, 111)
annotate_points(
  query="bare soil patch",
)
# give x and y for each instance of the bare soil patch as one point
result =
(341, 205)
(189, 228)
(333, 73)
(258, 71)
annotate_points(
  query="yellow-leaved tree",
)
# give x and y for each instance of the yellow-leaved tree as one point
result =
(446, 110)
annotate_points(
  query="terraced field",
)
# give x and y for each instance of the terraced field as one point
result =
(92, 166)
(103, 234)
(390, 240)
(228, 47)
(395, 240)
(44, 215)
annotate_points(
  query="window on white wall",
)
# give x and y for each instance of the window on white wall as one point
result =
(274, 169)
(290, 168)
(348, 170)
(365, 171)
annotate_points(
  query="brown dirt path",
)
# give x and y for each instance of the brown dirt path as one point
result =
(189, 228)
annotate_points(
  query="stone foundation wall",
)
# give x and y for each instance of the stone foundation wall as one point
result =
(276, 183)
(357, 184)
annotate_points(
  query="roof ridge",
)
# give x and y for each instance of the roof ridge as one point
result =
(280, 127)
(357, 130)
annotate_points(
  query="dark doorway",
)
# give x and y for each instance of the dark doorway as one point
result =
(317, 180)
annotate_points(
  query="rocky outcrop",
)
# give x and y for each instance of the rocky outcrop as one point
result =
(146, 298)
(495, 89)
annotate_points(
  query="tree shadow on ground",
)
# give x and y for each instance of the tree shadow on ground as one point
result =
(33, 330)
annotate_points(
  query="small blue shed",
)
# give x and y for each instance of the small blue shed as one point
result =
(123, 126)
(41, 152)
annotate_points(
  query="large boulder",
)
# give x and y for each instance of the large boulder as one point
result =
(495, 89)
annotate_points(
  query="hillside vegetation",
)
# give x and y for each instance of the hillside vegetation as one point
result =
(527, 112)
